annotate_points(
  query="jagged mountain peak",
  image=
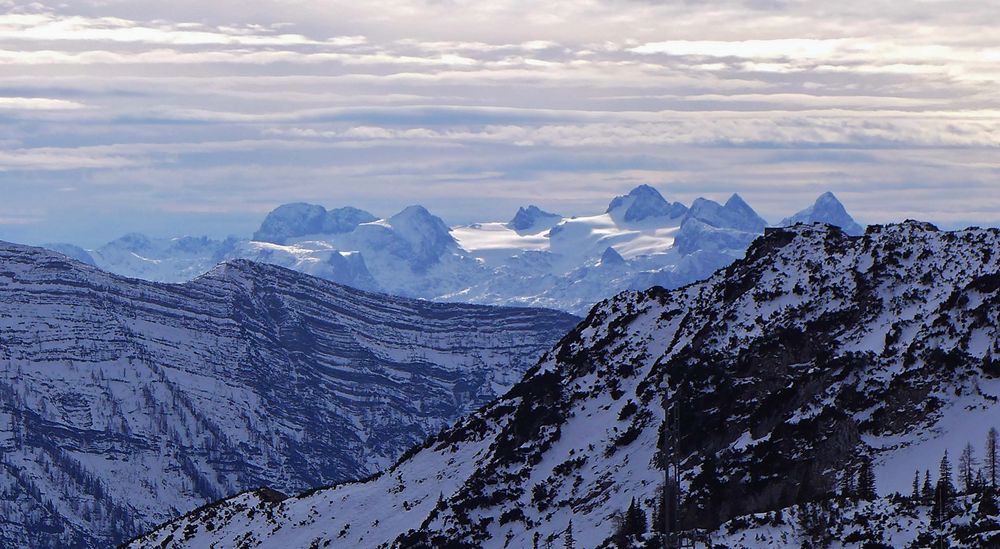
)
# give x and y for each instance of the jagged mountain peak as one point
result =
(737, 204)
(533, 217)
(642, 203)
(827, 209)
(735, 214)
(818, 347)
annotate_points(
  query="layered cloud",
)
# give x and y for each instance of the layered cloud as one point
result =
(212, 113)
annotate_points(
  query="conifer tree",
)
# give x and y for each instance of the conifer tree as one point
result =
(967, 468)
(630, 525)
(987, 504)
(944, 475)
(656, 525)
(915, 496)
(866, 480)
(927, 491)
(635, 520)
(847, 484)
(943, 492)
(991, 457)
(568, 541)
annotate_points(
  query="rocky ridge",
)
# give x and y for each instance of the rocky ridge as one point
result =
(124, 403)
(816, 352)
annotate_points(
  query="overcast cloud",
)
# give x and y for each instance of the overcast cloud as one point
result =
(199, 117)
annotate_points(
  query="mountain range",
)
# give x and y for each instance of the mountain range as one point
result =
(537, 258)
(124, 403)
(761, 391)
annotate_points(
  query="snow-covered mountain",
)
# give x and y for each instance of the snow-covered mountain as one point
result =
(814, 354)
(299, 219)
(535, 259)
(533, 218)
(161, 260)
(124, 402)
(827, 209)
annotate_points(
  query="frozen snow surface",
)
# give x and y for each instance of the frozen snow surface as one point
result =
(124, 403)
(538, 258)
(787, 370)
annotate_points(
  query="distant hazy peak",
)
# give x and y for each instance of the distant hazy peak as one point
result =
(735, 214)
(72, 251)
(132, 241)
(827, 209)
(417, 214)
(301, 219)
(344, 220)
(426, 233)
(531, 217)
(644, 202)
(736, 203)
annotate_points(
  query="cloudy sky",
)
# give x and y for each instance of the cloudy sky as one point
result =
(197, 117)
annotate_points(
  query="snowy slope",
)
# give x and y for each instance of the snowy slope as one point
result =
(124, 402)
(885, 523)
(535, 259)
(785, 369)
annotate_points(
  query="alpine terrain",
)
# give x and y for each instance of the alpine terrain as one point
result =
(537, 258)
(124, 403)
(791, 398)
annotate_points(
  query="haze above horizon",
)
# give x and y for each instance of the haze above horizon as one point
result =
(198, 118)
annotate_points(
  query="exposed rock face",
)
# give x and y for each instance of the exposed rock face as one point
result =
(533, 218)
(124, 403)
(785, 368)
(611, 257)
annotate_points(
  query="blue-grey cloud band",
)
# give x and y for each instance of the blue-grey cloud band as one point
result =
(204, 117)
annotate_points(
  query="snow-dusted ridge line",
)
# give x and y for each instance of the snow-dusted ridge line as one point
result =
(815, 349)
(124, 402)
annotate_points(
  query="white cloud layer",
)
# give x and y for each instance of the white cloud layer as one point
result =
(208, 114)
